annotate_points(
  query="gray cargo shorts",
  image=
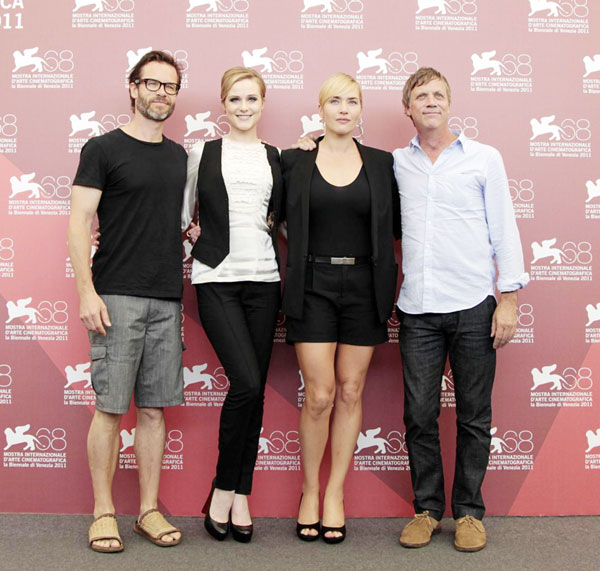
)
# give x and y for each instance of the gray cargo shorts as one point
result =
(140, 354)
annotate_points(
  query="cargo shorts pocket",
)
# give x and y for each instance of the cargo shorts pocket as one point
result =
(99, 370)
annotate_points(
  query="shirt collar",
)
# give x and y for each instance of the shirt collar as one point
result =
(414, 144)
(462, 142)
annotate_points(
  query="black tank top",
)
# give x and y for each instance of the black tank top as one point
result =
(339, 217)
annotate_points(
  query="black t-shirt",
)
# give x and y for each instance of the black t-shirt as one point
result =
(139, 213)
(339, 217)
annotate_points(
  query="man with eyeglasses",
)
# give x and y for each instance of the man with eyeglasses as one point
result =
(132, 178)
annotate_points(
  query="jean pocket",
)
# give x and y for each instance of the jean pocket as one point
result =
(99, 370)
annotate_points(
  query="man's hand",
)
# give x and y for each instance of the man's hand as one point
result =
(193, 232)
(84, 204)
(93, 313)
(305, 144)
(504, 320)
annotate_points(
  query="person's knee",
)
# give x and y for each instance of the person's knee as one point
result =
(421, 419)
(474, 420)
(245, 389)
(422, 407)
(349, 392)
(105, 421)
(107, 417)
(150, 416)
(319, 401)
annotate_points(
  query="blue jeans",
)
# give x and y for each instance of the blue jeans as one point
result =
(425, 342)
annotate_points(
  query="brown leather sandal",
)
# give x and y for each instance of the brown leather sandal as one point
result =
(104, 528)
(154, 527)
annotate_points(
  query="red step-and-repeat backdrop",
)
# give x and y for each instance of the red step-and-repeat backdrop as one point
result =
(526, 78)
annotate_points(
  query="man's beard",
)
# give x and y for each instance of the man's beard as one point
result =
(143, 106)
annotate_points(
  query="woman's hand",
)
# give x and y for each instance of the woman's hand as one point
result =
(95, 238)
(193, 233)
(305, 144)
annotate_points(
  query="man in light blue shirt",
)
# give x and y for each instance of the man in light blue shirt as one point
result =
(458, 225)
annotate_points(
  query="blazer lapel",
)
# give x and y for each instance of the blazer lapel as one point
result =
(372, 171)
(305, 173)
(276, 192)
(220, 188)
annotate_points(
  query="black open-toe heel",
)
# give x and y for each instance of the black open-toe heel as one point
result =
(241, 533)
(217, 529)
(335, 539)
(300, 527)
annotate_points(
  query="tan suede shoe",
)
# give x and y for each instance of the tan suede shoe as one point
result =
(418, 531)
(470, 534)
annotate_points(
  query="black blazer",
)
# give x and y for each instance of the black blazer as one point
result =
(212, 246)
(298, 167)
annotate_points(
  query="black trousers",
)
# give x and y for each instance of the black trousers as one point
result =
(239, 319)
(425, 342)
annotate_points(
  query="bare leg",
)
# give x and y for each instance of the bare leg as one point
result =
(103, 452)
(149, 449)
(351, 368)
(317, 364)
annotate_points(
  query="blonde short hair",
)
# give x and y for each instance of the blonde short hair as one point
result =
(422, 76)
(335, 85)
(239, 73)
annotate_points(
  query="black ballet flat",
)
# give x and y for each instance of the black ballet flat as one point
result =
(215, 528)
(337, 539)
(300, 527)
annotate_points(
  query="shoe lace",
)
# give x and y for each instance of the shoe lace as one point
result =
(470, 521)
(422, 517)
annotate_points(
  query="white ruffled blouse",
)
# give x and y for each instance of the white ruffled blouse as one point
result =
(249, 181)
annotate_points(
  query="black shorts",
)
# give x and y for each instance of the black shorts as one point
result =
(339, 307)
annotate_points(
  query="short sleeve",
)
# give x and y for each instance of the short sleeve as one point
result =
(92, 166)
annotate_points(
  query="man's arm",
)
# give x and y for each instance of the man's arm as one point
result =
(505, 239)
(502, 227)
(396, 216)
(504, 320)
(190, 193)
(92, 311)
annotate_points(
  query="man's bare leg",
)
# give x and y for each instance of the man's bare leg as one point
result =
(103, 453)
(149, 450)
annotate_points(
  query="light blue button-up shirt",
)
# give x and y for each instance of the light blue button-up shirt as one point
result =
(458, 223)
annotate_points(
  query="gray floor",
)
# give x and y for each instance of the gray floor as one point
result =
(49, 542)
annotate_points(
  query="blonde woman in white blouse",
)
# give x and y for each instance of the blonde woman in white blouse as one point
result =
(236, 183)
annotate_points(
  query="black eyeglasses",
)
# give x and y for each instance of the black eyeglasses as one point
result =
(155, 85)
